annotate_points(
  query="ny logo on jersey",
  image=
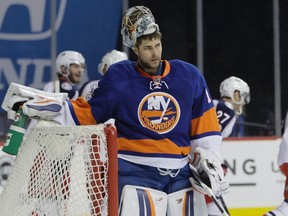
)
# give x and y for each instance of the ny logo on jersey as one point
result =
(159, 112)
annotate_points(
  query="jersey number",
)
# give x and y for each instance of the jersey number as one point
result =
(222, 116)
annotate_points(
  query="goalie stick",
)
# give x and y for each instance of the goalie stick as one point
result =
(209, 192)
(223, 204)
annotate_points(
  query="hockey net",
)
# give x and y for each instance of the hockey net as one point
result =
(63, 171)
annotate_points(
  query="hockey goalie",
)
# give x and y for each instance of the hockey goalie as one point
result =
(165, 120)
(146, 197)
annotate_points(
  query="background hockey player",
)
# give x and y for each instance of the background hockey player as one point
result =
(163, 113)
(70, 66)
(282, 209)
(234, 95)
(108, 59)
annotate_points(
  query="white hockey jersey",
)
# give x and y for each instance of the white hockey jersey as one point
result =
(88, 88)
(283, 148)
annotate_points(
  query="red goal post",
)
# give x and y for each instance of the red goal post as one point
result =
(64, 170)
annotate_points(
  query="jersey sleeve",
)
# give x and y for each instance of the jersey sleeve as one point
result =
(49, 87)
(205, 130)
(101, 106)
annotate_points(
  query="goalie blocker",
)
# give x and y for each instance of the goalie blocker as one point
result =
(39, 103)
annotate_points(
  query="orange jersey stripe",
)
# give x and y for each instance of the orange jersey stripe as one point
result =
(83, 111)
(152, 146)
(44, 102)
(208, 122)
(184, 205)
(153, 212)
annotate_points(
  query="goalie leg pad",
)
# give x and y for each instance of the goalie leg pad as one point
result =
(136, 201)
(186, 202)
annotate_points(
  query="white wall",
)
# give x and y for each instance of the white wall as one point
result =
(254, 177)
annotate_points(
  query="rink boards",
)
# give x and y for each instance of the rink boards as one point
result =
(256, 183)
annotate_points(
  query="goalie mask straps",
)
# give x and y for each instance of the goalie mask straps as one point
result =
(170, 172)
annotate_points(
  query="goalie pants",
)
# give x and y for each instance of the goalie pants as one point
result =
(165, 180)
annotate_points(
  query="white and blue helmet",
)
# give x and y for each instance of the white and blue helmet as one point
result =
(137, 21)
(232, 84)
(68, 57)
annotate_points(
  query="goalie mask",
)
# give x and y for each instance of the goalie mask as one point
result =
(66, 58)
(232, 84)
(137, 21)
(110, 58)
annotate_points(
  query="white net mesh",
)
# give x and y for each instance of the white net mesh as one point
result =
(59, 171)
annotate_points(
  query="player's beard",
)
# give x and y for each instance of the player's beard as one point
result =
(74, 79)
(149, 67)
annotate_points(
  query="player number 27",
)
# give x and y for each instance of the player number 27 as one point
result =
(222, 116)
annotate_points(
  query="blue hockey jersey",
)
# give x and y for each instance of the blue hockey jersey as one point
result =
(159, 119)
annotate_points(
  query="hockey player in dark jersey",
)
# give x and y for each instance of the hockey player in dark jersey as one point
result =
(165, 120)
(234, 95)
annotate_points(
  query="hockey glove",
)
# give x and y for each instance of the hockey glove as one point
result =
(35, 103)
(208, 166)
(42, 107)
